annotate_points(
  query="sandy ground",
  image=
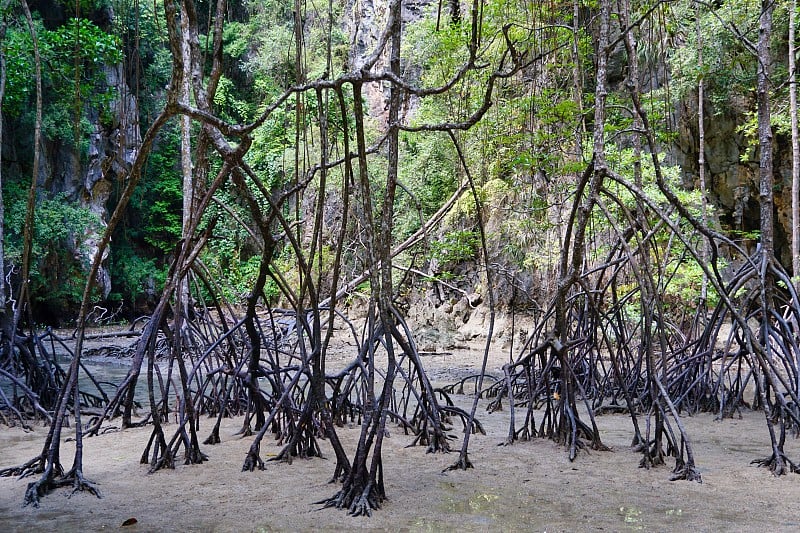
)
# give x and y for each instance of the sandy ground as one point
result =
(529, 486)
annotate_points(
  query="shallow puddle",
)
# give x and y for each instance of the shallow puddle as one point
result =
(632, 517)
(635, 519)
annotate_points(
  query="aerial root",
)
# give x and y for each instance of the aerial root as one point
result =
(32, 467)
(197, 458)
(194, 457)
(213, 438)
(652, 455)
(46, 484)
(340, 473)
(35, 491)
(436, 442)
(81, 484)
(252, 461)
(357, 502)
(365, 503)
(778, 463)
(463, 463)
(509, 440)
(685, 471)
(333, 501)
(439, 446)
(525, 434)
(167, 460)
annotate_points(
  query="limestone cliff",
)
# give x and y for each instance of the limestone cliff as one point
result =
(732, 173)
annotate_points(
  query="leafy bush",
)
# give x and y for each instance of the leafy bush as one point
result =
(456, 247)
(60, 252)
(96, 49)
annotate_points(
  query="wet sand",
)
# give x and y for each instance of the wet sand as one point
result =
(529, 486)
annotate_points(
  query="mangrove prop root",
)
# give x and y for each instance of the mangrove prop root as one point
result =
(778, 463)
(48, 483)
(463, 463)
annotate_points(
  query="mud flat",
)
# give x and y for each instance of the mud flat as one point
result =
(528, 486)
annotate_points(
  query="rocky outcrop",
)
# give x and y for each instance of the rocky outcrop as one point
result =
(732, 173)
(112, 143)
(112, 149)
(364, 22)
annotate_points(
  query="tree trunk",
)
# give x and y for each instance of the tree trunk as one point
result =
(186, 155)
(569, 427)
(766, 374)
(31, 205)
(766, 179)
(6, 337)
(795, 148)
(701, 149)
(363, 489)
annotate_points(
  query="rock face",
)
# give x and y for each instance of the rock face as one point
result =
(732, 174)
(85, 176)
(112, 150)
(365, 21)
(112, 146)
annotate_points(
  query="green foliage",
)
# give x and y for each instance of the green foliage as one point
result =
(237, 38)
(681, 275)
(157, 76)
(752, 235)
(683, 291)
(66, 91)
(272, 38)
(86, 6)
(60, 249)
(18, 52)
(267, 48)
(148, 58)
(455, 247)
(728, 68)
(229, 104)
(159, 199)
(231, 256)
(240, 272)
(134, 278)
(522, 154)
(428, 170)
(144, 243)
(780, 120)
(272, 150)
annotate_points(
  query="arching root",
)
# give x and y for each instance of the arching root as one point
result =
(778, 464)
(463, 463)
(48, 483)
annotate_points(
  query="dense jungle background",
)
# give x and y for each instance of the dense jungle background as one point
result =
(274, 211)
